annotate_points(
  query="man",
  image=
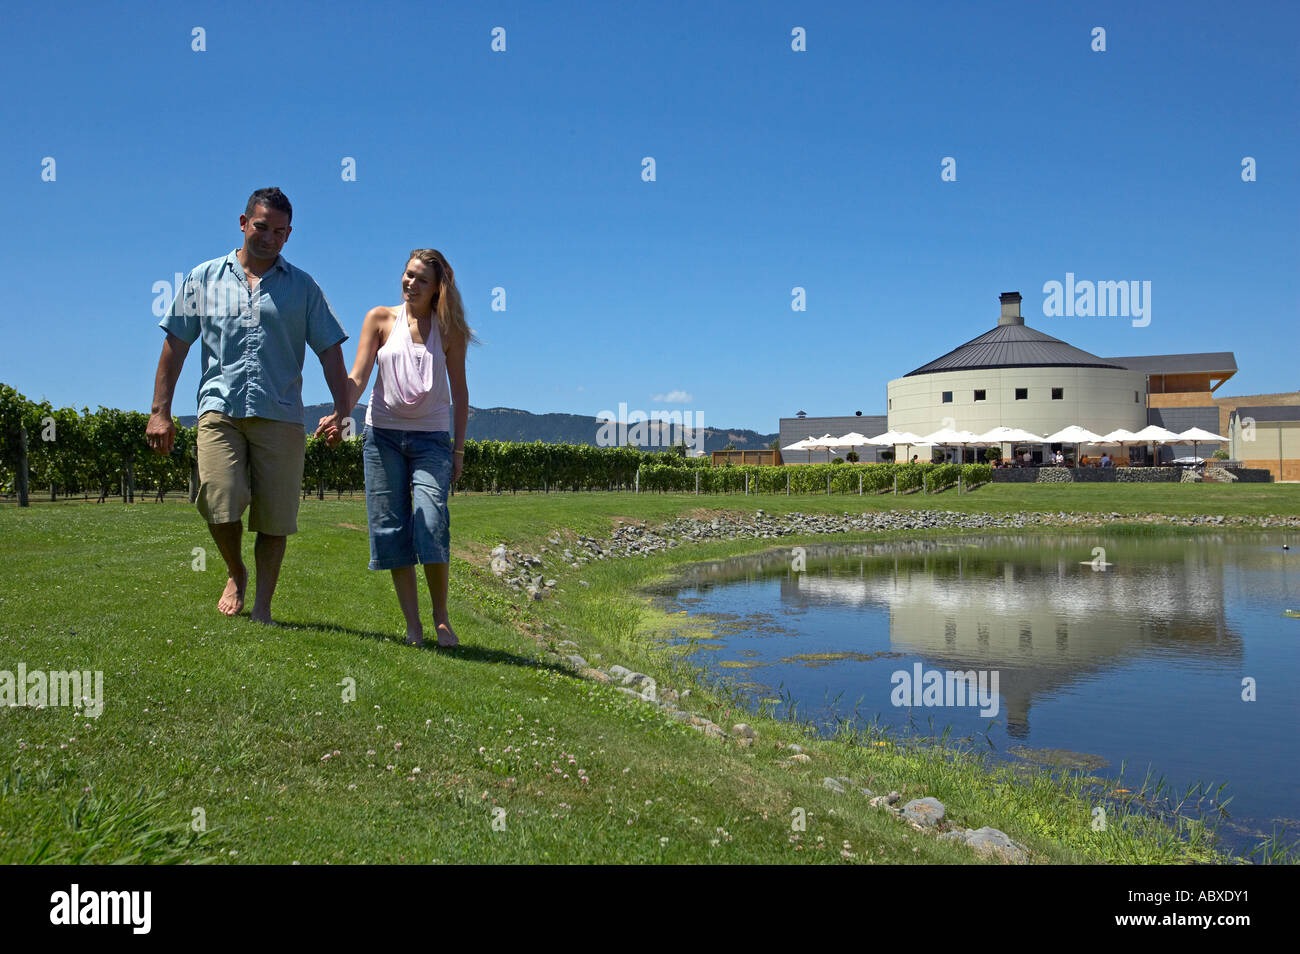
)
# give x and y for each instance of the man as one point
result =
(255, 313)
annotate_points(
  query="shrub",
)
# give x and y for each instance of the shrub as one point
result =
(974, 474)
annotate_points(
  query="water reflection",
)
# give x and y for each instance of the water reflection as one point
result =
(1046, 623)
(1140, 662)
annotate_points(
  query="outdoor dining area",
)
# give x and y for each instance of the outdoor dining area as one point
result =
(1076, 446)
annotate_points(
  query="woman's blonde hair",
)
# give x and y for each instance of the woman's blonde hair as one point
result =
(447, 304)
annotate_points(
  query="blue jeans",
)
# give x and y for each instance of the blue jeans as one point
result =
(407, 476)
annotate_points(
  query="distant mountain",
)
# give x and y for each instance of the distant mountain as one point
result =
(510, 424)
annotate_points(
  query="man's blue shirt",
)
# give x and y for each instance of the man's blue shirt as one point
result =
(253, 341)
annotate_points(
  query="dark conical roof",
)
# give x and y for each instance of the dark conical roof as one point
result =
(1014, 346)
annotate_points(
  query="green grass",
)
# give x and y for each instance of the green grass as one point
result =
(233, 719)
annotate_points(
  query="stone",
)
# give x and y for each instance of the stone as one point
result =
(798, 758)
(577, 661)
(595, 674)
(743, 730)
(796, 749)
(710, 729)
(636, 679)
(991, 841)
(834, 785)
(618, 672)
(926, 812)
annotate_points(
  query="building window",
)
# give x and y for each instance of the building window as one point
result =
(1022, 394)
(1136, 399)
(891, 404)
(979, 395)
(1058, 394)
(947, 397)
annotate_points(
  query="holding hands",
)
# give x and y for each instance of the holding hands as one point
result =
(330, 427)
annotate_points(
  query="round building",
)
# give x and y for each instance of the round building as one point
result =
(1017, 377)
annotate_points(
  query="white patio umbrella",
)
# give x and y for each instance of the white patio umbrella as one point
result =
(895, 438)
(1074, 434)
(1155, 434)
(825, 442)
(1009, 435)
(1198, 435)
(947, 437)
(1119, 436)
(802, 445)
(853, 440)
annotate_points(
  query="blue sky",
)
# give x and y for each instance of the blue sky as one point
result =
(774, 169)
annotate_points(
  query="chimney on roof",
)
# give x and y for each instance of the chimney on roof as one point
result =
(1010, 309)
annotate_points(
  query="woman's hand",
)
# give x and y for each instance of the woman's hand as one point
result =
(328, 428)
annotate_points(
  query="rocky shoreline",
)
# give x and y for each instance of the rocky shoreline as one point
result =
(926, 814)
(527, 572)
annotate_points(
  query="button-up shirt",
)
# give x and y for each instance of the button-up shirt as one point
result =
(253, 338)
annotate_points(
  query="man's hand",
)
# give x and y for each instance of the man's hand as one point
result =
(330, 427)
(161, 433)
(457, 465)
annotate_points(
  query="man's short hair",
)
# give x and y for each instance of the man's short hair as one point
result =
(272, 198)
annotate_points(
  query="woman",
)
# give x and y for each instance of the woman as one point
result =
(410, 459)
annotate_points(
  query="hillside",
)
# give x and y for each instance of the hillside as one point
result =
(511, 424)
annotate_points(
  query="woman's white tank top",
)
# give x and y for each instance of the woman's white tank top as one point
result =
(411, 392)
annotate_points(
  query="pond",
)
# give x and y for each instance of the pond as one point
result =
(1168, 654)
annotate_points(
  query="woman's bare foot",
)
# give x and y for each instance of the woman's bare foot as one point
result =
(415, 635)
(446, 635)
(232, 598)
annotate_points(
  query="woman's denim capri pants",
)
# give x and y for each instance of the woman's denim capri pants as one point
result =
(408, 474)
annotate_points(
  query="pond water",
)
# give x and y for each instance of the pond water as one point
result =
(1137, 654)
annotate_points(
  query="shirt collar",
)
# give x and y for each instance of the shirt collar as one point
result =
(232, 261)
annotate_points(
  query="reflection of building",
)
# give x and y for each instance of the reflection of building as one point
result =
(1017, 376)
(1044, 627)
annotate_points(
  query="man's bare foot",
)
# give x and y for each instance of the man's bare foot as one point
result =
(259, 615)
(232, 598)
(415, 635)
(446, 635)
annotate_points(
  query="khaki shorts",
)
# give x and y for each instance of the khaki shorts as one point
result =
(255, 460)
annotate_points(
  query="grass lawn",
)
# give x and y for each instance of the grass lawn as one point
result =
(489, 753)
